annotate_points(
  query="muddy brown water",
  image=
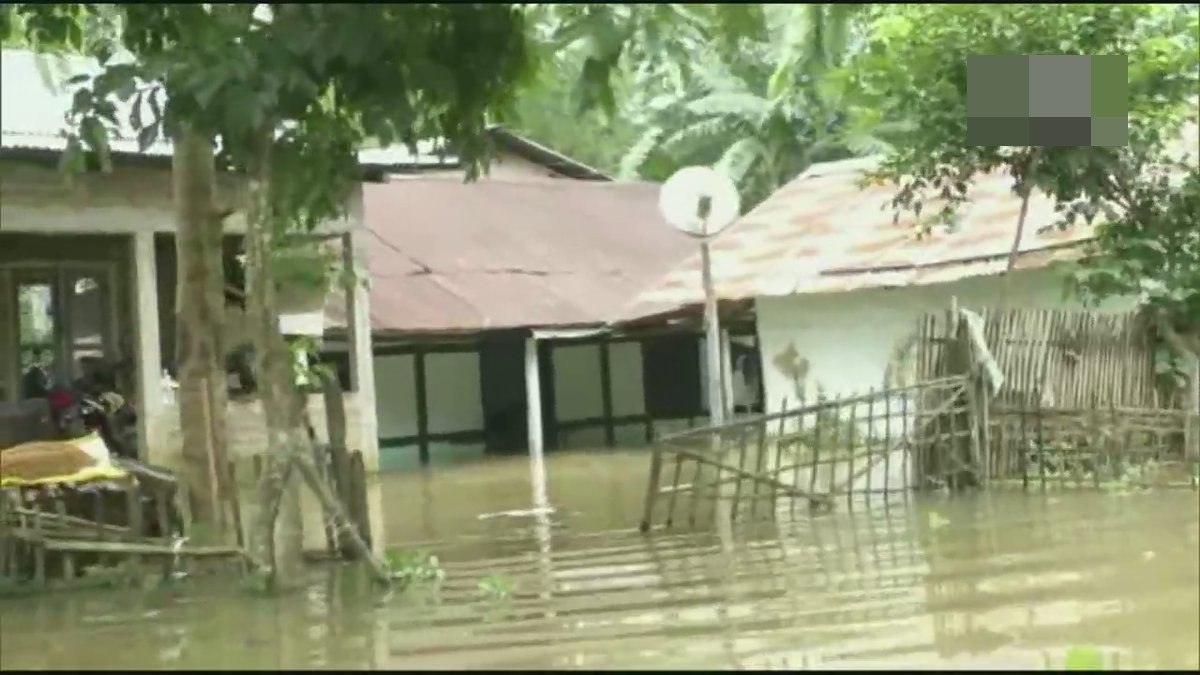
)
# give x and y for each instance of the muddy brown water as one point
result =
(999, 580)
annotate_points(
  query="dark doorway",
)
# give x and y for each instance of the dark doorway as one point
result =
(671, 376)
(502, 385)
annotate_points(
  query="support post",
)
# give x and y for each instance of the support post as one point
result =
(533, 405)
(148, 358)
(422, 405)
(727, 373)
(712, 341)
(362, 359)
(1192, 418)
(606, 394)
(716, 398)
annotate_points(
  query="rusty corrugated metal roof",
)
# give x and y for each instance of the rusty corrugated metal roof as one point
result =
(448, 256)
(823, 233)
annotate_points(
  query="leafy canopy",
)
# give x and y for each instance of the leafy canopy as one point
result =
(312, 80)
(915, 66)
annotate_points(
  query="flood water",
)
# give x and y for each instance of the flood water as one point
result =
(998, 580)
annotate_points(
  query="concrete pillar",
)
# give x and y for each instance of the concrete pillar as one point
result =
(533, 398)
(727, 374)
(362, 361)
(148, 356)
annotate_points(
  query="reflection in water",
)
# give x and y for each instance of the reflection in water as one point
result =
(1008, 580)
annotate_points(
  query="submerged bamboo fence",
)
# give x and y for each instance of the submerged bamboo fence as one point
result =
(1076, 403)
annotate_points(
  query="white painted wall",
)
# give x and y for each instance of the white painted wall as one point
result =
(578, 394)
(743, 386)
(455, 404)
(453, 392)
(395, 395)
(452, 398)
(625, 366)
(849, 339)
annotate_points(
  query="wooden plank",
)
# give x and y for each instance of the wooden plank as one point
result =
(68, 560)
(674, 484)
(741, 465)
(887, 440)
(794, 492)
(71, 521)
(816, 450)
(850, 432)
(779, 462)
(421, 390)
(824, 404)
(800, 448)
(133, 508)
(870, 441)
(339, 458)
(606, 394)
(359, 509)
(652, 488)
(760, 460)
(132, 548)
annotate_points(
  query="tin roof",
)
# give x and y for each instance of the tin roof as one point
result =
(823, 233)
(447, 256)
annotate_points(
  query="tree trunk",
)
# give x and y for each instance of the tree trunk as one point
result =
(278, 557)
(200, 310)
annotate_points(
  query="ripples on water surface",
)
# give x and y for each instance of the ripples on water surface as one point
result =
(1002, 580)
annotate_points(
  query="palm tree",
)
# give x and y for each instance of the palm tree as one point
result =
(763, 112)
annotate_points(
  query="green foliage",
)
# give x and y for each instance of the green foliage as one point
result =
(915, 67)
(1084, 658)
(316, 80)
(496, 587)
(1152, 251)
(739, 88)
(547, 109)
(414, 566)
(307, 371)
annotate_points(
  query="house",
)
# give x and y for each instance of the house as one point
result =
(465, 277)
(87, 269)
(462, 274)
(837, 285)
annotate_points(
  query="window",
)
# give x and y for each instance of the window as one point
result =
(63, 328)
(36, 338)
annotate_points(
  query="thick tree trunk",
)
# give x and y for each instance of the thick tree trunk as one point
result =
(1025, 189)
(276, 536)
(199, 324)
(278, 557)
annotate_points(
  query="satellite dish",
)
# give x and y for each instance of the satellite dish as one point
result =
(699, 201)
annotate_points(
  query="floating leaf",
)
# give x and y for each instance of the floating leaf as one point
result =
(1084, 658)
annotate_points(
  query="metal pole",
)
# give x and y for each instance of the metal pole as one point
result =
(712, 340)
(716, 400)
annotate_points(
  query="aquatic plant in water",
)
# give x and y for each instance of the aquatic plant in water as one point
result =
(413, 566)
(496, 587)
(1083, 658)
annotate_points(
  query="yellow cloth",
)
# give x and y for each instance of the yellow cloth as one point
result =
(102, 470)
(88, 475)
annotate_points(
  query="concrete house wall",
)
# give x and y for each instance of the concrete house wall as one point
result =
(114, 220)
(854, 341)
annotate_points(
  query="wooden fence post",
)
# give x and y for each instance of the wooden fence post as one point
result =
(1191, 435)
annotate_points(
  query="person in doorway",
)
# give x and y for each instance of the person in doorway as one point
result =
(36, 381)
